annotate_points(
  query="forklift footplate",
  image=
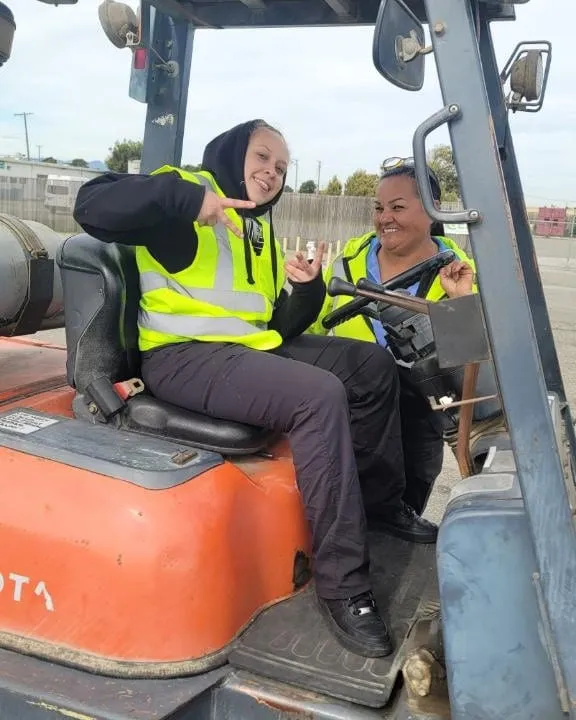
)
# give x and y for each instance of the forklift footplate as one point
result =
(290, 642)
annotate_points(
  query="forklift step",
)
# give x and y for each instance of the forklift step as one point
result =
(290, 642)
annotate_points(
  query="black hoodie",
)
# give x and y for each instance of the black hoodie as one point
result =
(224, 160)
(158, 211)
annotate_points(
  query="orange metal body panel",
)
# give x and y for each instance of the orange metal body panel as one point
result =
(105, 567)
(28, 367)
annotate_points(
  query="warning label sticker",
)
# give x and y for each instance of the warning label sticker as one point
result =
(25, 423)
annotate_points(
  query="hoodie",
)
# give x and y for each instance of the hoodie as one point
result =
(224, 159)
(158, 211)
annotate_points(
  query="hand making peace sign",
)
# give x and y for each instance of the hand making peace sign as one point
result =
(213, 207)
(299, 270)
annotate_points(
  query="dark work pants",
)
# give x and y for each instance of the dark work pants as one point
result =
(336, 399)
(422, 439)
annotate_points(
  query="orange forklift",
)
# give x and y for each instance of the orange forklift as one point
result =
(155, 562)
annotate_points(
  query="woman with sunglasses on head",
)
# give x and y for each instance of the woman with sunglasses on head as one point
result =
(403, 236)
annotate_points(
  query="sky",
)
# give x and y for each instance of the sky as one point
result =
(318, 86)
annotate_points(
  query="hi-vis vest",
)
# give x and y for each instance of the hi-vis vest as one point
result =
(351, 265)
(211, 300)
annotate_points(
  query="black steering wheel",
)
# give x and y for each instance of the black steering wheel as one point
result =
(358, 306)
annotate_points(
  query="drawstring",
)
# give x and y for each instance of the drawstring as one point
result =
(274, 257)
(247, 254)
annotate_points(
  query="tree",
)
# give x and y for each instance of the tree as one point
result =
(50, 159)
(123, 151)
(191, 168)
(288, 189)
(441, 161)
(79, 162)
(334, 187)
(361, 184)
(308, 187)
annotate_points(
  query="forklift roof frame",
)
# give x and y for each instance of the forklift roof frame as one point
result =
(508, 276)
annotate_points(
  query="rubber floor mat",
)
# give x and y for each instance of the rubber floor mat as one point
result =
(290, 643)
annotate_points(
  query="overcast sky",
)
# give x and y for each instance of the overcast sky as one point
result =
(318, 86)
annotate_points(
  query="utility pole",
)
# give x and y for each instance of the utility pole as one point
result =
(295, 163)
(318, 183)
(39, 153)
(25, 116)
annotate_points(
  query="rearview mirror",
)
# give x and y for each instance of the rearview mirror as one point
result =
(398, 49)
(7, 28)
(527, 70)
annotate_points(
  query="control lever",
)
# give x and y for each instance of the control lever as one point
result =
(405, 279)
(374, 292)
(337, 286)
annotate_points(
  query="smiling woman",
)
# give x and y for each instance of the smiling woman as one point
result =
(266, 163)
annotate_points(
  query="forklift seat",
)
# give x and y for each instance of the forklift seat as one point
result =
(101, 297)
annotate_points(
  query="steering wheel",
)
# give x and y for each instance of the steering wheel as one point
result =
(358, 306)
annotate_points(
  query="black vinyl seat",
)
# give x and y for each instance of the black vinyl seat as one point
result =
(101, 296)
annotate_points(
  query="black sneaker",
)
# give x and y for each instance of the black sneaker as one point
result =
(357, 624)
(406, 524)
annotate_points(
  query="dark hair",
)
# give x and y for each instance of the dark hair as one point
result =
(409, 171)
(437, 228)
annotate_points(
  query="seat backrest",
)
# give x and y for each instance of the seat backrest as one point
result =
(101, 295)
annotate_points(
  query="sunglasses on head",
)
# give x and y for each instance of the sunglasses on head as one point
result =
(395, 163)
(392, 163)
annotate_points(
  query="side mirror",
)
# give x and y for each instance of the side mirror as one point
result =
(7, 29)
(528, 71)
(398, 50)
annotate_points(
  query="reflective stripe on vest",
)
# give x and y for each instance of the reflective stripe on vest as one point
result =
(361, 327)
(216, 321)
(192, 325)
(222, 293)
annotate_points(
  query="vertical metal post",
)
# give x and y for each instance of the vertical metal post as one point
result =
(509, 320)
(524, 239)
(167, 92)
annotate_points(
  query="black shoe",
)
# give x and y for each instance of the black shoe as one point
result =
(357, 624)
(406, 524)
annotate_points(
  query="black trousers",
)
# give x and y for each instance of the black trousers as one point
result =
(338, 402)
(423, 443)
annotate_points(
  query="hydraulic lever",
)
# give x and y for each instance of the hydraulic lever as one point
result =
(374, 292)
(405, 279)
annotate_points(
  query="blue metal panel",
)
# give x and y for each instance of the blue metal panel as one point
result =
(494, 641)
(167, 94)
(509, 320)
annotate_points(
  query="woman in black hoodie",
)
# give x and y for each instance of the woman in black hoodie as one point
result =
(220, 335)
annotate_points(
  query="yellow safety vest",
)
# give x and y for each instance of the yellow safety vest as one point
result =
(211, 300)
(351, 265)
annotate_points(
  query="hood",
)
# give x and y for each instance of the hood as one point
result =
(224, 160)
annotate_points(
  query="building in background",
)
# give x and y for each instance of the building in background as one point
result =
(13, 167)
(41, 191)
